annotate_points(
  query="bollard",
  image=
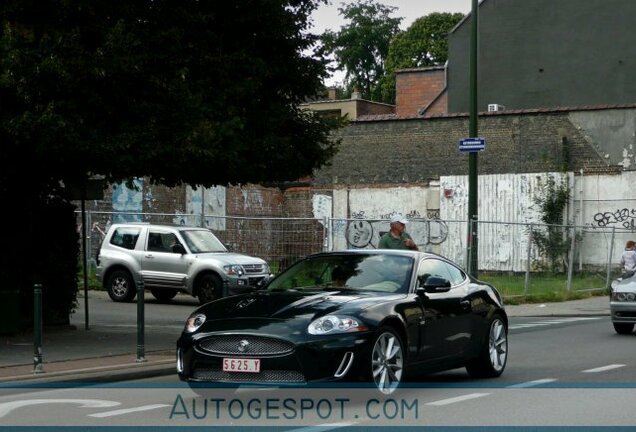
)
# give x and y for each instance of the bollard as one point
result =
(37, 329)
(140, 322)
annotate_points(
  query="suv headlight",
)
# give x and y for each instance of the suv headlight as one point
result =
(194, 322)
(623, 296)
(234, 269)
(335, 324)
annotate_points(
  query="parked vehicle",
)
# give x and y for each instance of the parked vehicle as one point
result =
(341, 316)
(169, 259)
(623, 303)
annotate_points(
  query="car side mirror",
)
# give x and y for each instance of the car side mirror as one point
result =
(436, 284)
(178, 248)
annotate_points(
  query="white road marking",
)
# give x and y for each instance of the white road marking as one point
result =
(457, 399)
(552, 322)
(324, 427)
(128, 410)
(603, 368)
(7, 407)
(532, 383)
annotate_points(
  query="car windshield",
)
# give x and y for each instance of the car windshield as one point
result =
(372, 272)
(202, 241)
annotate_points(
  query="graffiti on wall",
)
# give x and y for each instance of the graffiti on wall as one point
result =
(362, 232)
(624, 218)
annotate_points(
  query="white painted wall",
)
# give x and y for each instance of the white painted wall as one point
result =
(605, 204)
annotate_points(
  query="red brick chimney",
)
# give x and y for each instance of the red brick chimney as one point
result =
(420, 91)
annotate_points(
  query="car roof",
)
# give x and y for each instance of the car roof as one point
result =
(410, 253)
(171, 226)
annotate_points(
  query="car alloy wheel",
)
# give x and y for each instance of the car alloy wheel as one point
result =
(210, 288)
(493, 353)
(498, 345)
(387, 361)
(121, 287)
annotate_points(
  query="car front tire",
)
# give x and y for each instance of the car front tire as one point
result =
(121, 287)
(493, 354)
(210, 287)
(623, 328)
(387, 360)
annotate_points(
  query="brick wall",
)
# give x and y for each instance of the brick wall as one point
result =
(373, 108)
(417, 88)
(415, 150)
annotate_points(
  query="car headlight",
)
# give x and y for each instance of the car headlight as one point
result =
(623, 296)
(335, 324)
(194, 322)
(234, 269)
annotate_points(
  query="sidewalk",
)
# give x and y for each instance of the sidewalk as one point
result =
(106, 353)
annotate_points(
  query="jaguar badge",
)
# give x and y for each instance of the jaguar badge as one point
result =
(242, 346)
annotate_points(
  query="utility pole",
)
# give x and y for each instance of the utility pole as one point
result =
(472, 132)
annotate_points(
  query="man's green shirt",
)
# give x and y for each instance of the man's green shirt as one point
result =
(389, 242)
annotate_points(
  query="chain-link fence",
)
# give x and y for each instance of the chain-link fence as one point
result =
(547, 260)
(520, 259)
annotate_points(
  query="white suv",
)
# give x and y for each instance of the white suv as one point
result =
(170, 259)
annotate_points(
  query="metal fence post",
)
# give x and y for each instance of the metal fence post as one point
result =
(571, 258)
(140, 322)
(37, 329)
(325, 234)
(609, 258)
(527, 278)
(469, 247)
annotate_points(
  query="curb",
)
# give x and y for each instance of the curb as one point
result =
(101, 374)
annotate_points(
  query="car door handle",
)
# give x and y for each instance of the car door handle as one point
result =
(465, 304)
(151, 256)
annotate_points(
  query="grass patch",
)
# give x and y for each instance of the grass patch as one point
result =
(93, 281)
(545, 287)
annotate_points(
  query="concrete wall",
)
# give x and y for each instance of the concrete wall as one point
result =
(611, 132)
(546, 53)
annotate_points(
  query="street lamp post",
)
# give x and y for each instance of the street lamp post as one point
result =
(472, 130)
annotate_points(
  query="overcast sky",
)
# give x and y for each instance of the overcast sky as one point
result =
(327, 17)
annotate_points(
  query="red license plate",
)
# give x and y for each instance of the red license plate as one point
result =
(241, 365)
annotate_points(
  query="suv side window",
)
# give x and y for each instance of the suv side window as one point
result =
(161, 241)
(125, 237)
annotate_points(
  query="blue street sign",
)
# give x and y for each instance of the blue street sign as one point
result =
(472, 145)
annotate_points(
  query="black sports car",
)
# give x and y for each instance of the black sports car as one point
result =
(343, 316)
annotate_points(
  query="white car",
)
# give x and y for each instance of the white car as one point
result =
(623, 303)
(169, 259)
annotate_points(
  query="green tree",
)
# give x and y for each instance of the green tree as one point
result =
(424, 43)
(553, 239)
(200, 92)
(360, 47)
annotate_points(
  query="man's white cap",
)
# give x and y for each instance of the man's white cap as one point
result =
(399, 218)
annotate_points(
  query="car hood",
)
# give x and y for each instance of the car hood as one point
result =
(225, 258)
(625, 285)
(287, 306)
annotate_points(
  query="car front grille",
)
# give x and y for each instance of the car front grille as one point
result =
(253, 268)
(266, 376)
(245, 345)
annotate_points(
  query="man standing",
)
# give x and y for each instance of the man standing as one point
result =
(397, 238)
